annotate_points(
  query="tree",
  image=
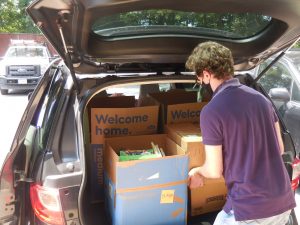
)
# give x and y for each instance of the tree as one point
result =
(297, 45)
(28, 25)
(227, 24)
(12, 19)
(9, 17)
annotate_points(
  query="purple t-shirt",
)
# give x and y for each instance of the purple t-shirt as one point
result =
(242, 121)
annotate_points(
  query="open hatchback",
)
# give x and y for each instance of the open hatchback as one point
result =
(85, 151)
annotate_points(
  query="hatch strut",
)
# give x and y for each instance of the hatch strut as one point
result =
(274, 61)
(68, 60)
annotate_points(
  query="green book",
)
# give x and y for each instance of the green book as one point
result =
(128, 155)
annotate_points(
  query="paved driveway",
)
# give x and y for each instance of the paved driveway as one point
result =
(11, 110)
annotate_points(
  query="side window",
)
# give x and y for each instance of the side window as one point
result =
(278, 81)
(295, 93)
(50, 106)
(278, 76)
(284, 92)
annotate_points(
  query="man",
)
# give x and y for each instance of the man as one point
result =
(243, 143)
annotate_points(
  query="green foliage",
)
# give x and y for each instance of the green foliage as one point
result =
(28, 24)
(227, 24)
(297, 45)
(9, 17)
(14, 19)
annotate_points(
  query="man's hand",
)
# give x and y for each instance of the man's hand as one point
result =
(195, 179)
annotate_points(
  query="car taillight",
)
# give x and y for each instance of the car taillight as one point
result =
(46, 204)
(296, 173)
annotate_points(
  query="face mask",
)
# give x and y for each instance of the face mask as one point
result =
(206, 92)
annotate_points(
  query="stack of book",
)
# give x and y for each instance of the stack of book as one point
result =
(138, 154)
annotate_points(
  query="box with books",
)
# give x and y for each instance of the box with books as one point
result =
(111, 117)
(151, 153)
(153, 175)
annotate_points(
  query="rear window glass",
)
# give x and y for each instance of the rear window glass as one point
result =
(26, 52)
(168, 22)
(135, 90)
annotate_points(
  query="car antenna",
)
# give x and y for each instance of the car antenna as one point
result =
(68, 60)
(274, 61)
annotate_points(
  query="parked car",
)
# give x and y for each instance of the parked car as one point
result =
(282, 83)
(63, 166)
(23, 64)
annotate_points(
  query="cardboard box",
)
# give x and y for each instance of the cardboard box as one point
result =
(152, 191)
(188, 136)
(212, 196)
(114, 116)
(112, 121)
(209, 198)
(96, 175)
(178, 107)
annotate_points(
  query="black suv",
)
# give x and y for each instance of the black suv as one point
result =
(109, 133)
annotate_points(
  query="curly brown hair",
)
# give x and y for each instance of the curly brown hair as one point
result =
(213, 57)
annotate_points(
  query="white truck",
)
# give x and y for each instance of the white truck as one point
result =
(23, 64)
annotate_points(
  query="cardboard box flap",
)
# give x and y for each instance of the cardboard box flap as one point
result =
(184, 112)
(144, 141)
(108, 122)
(184, 132)
(178, 106)
(100, 101)
(188, 136)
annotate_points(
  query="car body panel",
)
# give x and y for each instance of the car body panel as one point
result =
(20, 154)
(70, 29)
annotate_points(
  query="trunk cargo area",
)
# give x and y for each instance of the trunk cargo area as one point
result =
(139, 150)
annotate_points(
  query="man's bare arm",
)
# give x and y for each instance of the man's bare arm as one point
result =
(280, 142)
(213, 165)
